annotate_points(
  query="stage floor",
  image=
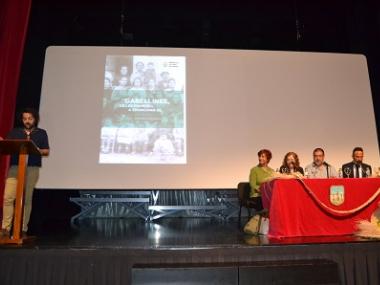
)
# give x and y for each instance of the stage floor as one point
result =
(167, 233)
(113, 249)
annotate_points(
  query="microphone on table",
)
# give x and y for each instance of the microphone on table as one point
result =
(327, 168)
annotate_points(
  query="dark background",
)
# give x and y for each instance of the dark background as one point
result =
(349, 26)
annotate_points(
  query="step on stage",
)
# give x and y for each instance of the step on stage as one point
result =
(184, 251)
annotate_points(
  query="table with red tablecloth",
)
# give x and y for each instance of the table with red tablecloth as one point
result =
(303, 208)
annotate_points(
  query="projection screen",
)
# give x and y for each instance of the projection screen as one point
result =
(168, 118)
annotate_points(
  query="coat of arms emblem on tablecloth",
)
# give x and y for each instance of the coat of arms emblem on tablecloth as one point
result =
(337, 195)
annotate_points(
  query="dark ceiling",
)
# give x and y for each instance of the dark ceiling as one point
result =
(288, 24)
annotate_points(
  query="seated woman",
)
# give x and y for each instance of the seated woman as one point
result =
(258, 175)
(291, 164)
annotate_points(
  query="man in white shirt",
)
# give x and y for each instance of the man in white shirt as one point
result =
(319, 168)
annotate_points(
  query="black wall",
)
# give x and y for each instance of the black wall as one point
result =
(350, 26)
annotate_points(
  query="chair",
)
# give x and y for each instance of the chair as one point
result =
(243, 193)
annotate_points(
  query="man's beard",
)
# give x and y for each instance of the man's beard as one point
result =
(28, 126)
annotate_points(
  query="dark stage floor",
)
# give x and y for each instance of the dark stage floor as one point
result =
(167, 233)
(131, 251)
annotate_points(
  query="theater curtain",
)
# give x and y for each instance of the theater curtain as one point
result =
(14, 18)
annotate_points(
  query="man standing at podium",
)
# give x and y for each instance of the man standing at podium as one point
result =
(30, 131)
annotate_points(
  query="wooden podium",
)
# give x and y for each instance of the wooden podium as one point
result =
(22, 148)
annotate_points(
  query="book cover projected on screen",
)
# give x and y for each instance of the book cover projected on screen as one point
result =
(144, 110)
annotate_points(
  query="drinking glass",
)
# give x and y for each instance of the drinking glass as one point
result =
(347, 171)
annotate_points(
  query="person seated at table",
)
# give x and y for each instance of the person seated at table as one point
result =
(258, 175)
(319, 168)
(356, 168)
(291, 164)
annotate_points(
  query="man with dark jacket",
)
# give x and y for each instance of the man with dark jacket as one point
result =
(356, 168)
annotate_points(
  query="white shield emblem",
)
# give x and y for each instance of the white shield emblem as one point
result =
(337, 195)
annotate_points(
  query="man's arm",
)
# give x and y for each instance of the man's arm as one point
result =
(368, 170)
(44, 151)
(333, 172)
(44, 145)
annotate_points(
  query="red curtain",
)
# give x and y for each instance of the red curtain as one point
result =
(14, 18)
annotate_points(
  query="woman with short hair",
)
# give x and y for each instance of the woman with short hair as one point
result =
(260, 174)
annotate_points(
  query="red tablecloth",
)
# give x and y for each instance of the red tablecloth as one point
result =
(293, 212)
